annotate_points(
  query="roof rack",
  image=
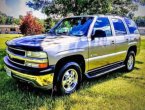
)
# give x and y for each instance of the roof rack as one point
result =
(112, 14)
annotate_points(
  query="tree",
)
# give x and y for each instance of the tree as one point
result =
(123, 7)
(77, 7)
(30, 25)
(9, 20)
(49, 23)
(16, 21)
(2, 19)
(140, 21)
(141, 2)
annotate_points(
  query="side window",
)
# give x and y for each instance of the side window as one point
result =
(131, 26)
(119, 26)
(102, 28)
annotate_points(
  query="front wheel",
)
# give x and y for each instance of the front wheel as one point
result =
(130, 61)
(68, 78)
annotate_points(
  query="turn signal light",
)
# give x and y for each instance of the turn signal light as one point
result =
(43, 65)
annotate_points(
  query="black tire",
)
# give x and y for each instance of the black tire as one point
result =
(129, 65)
(61, 75)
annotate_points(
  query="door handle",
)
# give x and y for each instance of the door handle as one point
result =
(112, 42)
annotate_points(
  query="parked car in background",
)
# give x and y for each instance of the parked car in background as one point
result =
(75, 47)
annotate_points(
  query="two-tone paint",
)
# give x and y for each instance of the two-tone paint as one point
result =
(96, 53)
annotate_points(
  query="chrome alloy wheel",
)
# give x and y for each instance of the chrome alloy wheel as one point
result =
(70, 80)
(130, 62)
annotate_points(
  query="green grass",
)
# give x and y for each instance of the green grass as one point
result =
(5, 37)
(116, 91)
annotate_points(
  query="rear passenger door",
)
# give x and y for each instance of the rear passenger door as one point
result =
(121, 39)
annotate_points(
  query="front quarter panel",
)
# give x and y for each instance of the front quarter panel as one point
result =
(67, 47)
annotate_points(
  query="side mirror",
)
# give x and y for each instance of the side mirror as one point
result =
(98, 34)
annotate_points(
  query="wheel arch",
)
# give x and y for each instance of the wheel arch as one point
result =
(79, 59)
(132, 48)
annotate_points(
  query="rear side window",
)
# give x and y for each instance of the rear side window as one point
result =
(103, 24)
(131, 26)
(119, 26)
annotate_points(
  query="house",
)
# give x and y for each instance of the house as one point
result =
(9, 29)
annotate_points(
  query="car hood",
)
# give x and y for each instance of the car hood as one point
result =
(44, 42)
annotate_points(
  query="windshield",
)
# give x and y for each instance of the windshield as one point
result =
(77, 26)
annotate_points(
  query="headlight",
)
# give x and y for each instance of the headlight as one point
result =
(36, 54)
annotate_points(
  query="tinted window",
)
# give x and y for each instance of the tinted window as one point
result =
(131, 26)
(119, 27)
(103, 24)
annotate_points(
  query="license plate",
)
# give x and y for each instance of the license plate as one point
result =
(8, 71)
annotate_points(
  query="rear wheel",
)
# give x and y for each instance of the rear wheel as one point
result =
(68, 78)
(130, 61)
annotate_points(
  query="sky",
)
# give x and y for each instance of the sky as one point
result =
(18, 7)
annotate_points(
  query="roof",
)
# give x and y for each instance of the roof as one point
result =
(9, 26)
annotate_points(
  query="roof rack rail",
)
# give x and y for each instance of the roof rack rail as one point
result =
(112, 14)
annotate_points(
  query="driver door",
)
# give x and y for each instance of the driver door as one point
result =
(102, 44)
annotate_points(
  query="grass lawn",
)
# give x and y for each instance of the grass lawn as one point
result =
(5, 37)
(115, 91)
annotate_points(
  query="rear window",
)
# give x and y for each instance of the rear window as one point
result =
(131, 26)
(119, 26)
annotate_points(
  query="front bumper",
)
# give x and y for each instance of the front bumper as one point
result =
(42, 81)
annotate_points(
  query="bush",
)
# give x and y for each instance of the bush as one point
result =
(30, 25)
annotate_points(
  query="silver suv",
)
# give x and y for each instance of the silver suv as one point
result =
(75, 47)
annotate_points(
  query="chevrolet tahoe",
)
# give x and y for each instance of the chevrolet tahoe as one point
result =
(76, 46)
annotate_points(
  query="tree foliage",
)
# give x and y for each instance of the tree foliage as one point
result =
(141, 2)
(4, 19)
(49, 23)
(140, 21)
(30, 25)
(16, 21)
(123, 7)
(78, 7)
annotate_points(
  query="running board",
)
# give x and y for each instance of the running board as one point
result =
(98, 73)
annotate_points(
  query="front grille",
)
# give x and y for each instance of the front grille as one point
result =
(16, 61)
(16, 51)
